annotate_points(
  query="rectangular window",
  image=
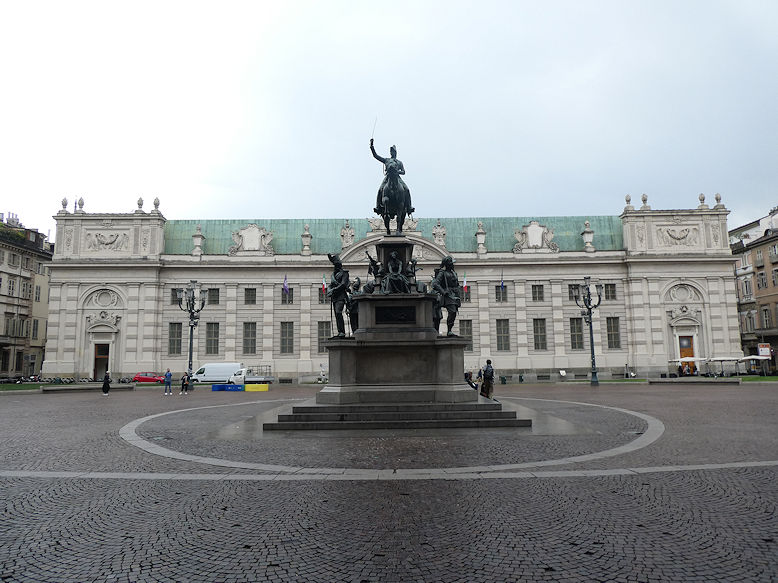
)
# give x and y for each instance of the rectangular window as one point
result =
(610, 291)
(500, 293)
(174, 338)
(466, 332)
(573, 290)
(287, 298)
(322, 296)
(213, 296)
(775, 277)
(250, 296)
(466, 295)
(539, 333)
(12, 287)
(761, 280)
(538, 292)
(2, 256)
(174, 295)
(746, 288)
(35, 329)
(287, 337)
(212, 337)
(26, 263)
(766, 317)
(324, 332)
(13, 260)
(503, 335)
(37, 293)
(576, 334)
(614, 334)
(249, 337)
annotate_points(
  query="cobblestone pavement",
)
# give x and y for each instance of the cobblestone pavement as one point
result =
(616, 483)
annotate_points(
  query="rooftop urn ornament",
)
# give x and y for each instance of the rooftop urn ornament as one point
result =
(645, 206)
(81, 205)
(702, 202)
(718, 202)
(480, 238)
(156, 204)
(65, 204)
(140, 205)
(197, 240)
(628, 200)
(588, 238)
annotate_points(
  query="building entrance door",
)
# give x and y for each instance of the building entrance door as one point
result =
(101, 360)
(686, 350)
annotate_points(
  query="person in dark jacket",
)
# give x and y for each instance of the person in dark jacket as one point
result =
(184, 384)
(106, 383)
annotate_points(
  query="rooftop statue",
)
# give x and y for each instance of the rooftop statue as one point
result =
(394, 196)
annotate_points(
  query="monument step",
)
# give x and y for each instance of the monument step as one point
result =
(397, 416)
(398, 424)
(397, 407)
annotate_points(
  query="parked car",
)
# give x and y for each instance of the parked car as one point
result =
(148, 377)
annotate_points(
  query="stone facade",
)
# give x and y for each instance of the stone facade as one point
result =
(25, 256)
(667, 275)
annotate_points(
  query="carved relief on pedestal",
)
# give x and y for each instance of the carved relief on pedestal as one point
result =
(377, 225)
(145, 240)
(68, 238)
(253, 239)
(107, 241)
(535, 238)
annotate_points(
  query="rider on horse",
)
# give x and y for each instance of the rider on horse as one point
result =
(391, 185)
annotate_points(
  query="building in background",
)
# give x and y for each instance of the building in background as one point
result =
(756, 272)
(25, 256)
(667, 275)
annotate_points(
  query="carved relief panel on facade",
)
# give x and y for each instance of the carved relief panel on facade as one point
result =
(103, 309)
(253, 240)
(97, 241)
(678, 236)
(534, 238)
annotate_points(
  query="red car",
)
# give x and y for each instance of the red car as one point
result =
(148, 377)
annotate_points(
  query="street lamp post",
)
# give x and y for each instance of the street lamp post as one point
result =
(187, 297)
(584, 300)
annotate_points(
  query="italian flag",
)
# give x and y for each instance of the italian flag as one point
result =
(323, 283)
(464, 282)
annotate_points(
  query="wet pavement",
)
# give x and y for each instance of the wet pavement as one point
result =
(618, 483)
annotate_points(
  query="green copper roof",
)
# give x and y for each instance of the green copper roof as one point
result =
(460, 233)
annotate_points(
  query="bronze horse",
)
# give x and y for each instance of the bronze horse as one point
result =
(394, 196)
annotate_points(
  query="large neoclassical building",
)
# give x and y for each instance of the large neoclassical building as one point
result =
(667, 277)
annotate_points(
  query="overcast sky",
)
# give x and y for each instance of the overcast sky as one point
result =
(265, 109)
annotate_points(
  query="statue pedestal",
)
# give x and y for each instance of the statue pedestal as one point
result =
(396, 371)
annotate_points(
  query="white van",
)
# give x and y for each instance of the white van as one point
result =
(215, 372)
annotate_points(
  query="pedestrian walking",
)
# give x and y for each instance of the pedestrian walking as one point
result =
(106, 383)
(168, 382)
(487, 386)
(184, 384)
